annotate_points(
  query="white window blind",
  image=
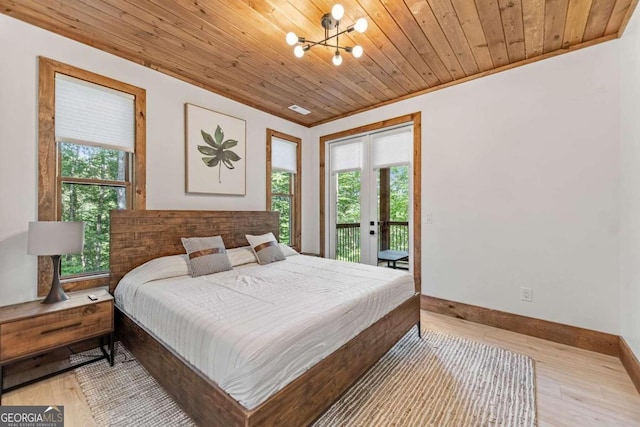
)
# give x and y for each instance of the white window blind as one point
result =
(283, 155)
(392, 147)
(346, 156)
(93, 114)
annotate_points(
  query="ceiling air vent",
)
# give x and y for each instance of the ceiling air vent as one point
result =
(299, 109)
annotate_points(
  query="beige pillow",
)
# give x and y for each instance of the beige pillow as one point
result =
(265, 248)
(206, 255)
(241, 256)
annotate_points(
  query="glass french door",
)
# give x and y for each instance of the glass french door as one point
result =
(370, 198)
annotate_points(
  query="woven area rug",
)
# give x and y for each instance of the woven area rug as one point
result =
(440, 380)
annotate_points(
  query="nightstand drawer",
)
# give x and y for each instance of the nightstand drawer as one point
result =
(31, 335)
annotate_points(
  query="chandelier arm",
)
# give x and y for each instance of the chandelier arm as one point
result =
(334, 46)
(324, 41)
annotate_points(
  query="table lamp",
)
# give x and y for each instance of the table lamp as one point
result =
(55, 238)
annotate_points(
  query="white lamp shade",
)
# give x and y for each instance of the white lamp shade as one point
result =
(55, 238)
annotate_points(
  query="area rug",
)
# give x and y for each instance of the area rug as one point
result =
(439, 380)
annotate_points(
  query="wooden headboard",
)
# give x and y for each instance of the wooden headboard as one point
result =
(138, 236)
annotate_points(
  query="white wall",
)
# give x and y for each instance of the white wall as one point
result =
(521, 174)
(20, 45)
(630, 183)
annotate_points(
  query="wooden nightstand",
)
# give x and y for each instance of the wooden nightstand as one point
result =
(32, 328)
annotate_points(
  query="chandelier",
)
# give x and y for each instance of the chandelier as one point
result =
(329, 22)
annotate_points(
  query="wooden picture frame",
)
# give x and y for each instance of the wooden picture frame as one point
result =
(215, 152)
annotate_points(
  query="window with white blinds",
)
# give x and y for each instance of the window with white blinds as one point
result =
(385, 149)
(283, 155)
(95, 144)
(92, 114)
(391, 147)
(284, 184)
(346, 156)
(91, 160)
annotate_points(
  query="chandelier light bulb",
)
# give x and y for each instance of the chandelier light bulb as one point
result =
(337, 12)
(361, 25)
(291, 38)
(337, 59)
(332, 32)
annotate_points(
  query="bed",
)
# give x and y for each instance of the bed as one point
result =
(139, 236)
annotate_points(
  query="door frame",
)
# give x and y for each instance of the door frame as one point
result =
(416, 119)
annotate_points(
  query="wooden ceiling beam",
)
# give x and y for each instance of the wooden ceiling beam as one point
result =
(239, 59)
(449, 22)
(533, 21)
(598, 18)
(513, 28)
(412, 47)
(349, 81)
(472, 27)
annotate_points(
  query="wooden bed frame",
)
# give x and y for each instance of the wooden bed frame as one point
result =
(139, 236)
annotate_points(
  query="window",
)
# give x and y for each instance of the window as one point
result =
(91, 161)
(284, 184)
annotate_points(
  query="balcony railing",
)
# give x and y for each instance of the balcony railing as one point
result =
(348, 242)
(392, 235)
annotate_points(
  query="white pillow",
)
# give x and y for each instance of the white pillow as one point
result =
(241, 256)
(160, 268)
(288, 250)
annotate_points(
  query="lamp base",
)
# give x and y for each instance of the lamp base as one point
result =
(56, 294)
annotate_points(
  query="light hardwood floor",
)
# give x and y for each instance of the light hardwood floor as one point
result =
(574, 387)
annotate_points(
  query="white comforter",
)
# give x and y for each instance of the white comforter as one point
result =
(254, 329)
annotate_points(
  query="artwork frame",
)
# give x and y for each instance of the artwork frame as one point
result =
(215, 152)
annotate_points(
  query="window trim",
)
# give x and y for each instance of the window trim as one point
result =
(48, 186)
(296, 233)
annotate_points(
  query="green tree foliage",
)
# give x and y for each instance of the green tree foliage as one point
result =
(282, 201)
(348, 197)
(399, 183)
(348, 210)
(91, 203)
(348, 215)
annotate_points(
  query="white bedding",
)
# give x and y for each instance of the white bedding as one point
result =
(254, 329)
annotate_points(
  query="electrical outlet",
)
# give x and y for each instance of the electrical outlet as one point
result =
(526, 294)
(429, 218)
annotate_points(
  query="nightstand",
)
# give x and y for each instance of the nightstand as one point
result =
(32, 328)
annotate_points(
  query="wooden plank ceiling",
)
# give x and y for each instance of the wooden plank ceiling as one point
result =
(237, 48)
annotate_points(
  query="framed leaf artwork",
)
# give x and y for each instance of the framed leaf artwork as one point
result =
(215, 152)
